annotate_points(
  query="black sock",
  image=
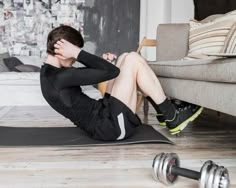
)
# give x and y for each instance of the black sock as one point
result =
(166, 108)
(155, 106)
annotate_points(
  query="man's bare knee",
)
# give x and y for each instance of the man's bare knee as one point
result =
(122, 56)
(120, 59)
(135, 57)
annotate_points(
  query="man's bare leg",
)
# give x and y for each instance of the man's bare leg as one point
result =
(118, 64)
(135, 71)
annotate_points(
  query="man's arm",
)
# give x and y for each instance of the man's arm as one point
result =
(93, 61)
(70, 77)
(65, 50)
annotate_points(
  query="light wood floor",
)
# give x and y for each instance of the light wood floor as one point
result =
(210, 137)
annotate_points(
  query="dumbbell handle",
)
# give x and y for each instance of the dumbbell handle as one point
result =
(185, 173)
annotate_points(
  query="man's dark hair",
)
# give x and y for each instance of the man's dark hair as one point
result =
(64, 32)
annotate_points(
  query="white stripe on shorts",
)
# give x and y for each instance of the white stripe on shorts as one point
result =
(121, 122)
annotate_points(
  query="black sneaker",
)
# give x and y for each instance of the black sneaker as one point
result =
(161, 118)
(183, 116)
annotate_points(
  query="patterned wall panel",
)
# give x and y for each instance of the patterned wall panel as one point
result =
(110, 25)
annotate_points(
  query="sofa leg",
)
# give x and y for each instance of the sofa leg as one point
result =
(145, 107)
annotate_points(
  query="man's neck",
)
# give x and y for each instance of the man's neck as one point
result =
(52, 60)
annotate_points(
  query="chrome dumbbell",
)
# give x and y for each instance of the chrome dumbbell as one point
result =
(166, 169)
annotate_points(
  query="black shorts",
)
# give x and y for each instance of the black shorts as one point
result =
(112, 120)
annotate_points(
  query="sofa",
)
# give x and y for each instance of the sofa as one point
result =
(23, 88)
(210, 83)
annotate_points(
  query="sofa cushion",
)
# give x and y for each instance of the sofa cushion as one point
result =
(172, 41)
(31, 60)
(205, 38)
(3, 67)
(23, 89)
(27, 68)
(211, 18)
(230, 41)
(218, 70)
(12, 62)
(19, 78)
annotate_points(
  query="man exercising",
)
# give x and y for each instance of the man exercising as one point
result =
(113, 117)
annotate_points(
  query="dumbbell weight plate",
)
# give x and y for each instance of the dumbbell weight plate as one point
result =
(221, 178)
(171, 160)
(204, 173)
(161, 167)
(217, 178)
(211, 176)
(155, 165)
(160, 174)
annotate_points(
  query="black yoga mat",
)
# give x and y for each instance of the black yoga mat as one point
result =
(70, 136)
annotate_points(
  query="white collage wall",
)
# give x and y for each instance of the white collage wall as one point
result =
(106, 25)
(24, 24)
(154, 12)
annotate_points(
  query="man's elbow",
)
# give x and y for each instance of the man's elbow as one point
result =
(113, 73)
(117, 72)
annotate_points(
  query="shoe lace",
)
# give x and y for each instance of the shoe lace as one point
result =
(184, 108)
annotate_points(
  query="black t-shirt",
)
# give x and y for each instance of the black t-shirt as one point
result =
(61, 86)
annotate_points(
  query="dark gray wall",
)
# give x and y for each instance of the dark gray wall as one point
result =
(205, 8)
(112, 25)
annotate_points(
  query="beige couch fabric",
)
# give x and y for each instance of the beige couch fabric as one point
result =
(208, 83)
(177, 35)
(205, 38)
(218, 70)
(216, 96)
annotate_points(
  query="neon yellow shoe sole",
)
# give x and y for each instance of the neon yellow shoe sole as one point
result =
(182, 126)
(162, 124)
(160, 119)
